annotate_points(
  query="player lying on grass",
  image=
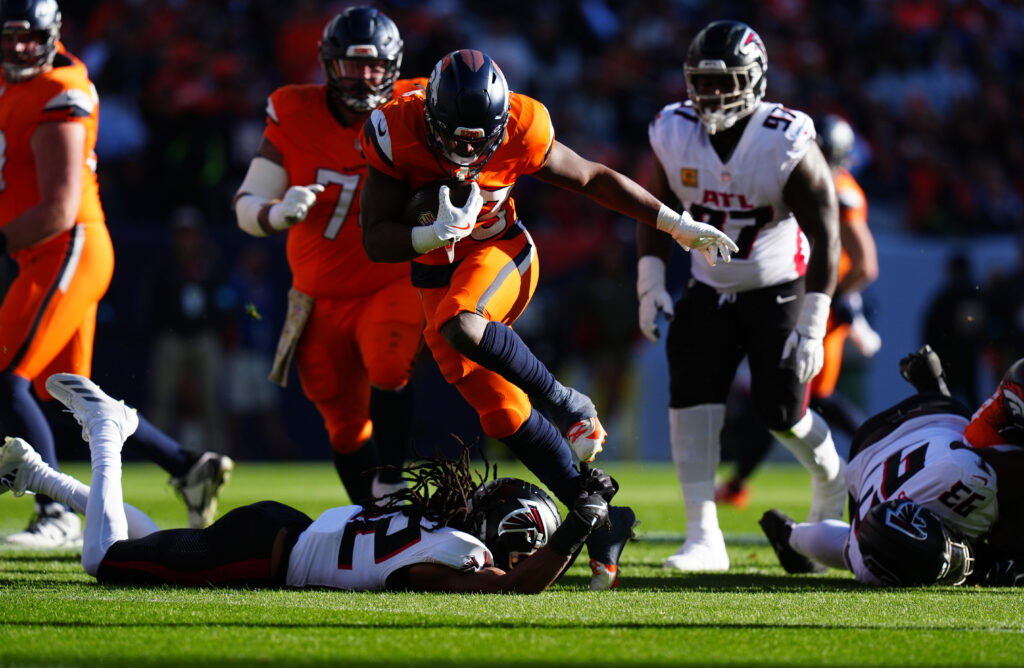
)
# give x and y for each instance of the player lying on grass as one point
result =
(432, 542)
(933, 498)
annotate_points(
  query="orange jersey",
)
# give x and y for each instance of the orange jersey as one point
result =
(325, 251)
(63, 94)
(853, 209)
(395, 142)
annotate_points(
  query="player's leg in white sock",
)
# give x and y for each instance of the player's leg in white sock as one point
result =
(695, 434)
(810, 441)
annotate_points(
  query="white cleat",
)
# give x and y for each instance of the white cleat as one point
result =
(90, 405)
(829, 497)
(707, 554)
(55, 527)
(17, 461)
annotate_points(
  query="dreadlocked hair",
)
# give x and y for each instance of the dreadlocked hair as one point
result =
(440, 489)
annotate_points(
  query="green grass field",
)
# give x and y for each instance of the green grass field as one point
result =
(52, 614)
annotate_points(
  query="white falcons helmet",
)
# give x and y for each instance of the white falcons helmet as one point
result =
(725, 73)
(513, 518)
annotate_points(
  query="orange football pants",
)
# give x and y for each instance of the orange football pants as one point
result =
(349, 345)
(496, 280)
(48, 317)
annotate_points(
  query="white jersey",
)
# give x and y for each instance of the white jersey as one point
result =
(346, 549)
(925, 460)
(742, 197)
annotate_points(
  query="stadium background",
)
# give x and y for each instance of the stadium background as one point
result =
(932, 88)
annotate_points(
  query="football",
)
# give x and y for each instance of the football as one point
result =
(421, 209)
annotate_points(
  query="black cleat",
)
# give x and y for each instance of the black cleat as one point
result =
(605, 547)
(777, 526)
(923, 370)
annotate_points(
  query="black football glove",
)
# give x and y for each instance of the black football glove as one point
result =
(588, 512)
(596, 481)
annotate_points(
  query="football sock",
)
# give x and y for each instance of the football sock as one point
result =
(22, 416)
(356, 471)
(823, 542)
(696, 450)
(540, 447)
(503, 352)
(105, 519)
(156, 446)
(811, 443)
(75, 495)
(391, 414)
(750, 456)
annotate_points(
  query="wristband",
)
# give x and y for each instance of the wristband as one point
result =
(568, 538)
(668, 220)
(424, 239)
(813, 319)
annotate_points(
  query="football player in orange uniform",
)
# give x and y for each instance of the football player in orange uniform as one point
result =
(858, 268)
(355, 327)
(52, 225)
(476, 265)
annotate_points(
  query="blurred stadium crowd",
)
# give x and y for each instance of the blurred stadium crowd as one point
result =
(932, 88)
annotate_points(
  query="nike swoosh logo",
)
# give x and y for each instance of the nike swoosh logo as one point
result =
(382, 128)
(462, 227)
(779, 299)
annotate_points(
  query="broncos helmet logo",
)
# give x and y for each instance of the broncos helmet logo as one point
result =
(907, 519)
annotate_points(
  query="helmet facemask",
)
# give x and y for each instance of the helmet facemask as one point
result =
(469, 148)
(961, 561)
(361, 55)
(27, 52)
(723, 95)
(466, 111)
(361, 84)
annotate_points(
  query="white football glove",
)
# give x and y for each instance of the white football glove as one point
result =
(804, 349)
(454, 223)
(690, 234)
(650, 288)
(294, 206)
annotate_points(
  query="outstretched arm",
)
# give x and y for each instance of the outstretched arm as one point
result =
(615, 191)
(536, 572)
(532, 576)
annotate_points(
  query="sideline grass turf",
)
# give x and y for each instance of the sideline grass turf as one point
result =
(51, 613)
